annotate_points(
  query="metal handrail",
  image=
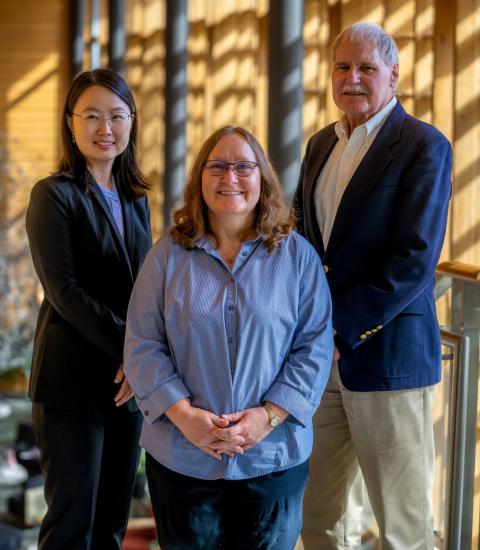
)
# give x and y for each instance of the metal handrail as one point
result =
(463, 337)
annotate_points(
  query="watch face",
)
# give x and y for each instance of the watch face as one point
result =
(275, 421)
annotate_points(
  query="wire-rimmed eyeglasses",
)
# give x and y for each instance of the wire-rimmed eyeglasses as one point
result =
(240, 167)
(93, 118)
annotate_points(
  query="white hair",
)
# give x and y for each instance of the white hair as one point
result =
(370, 31)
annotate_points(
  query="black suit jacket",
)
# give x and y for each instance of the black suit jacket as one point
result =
(383, 249)
(87, 273)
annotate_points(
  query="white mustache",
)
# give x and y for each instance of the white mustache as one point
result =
(353, 90)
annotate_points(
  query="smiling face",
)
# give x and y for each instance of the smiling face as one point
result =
(362, 83)
(229, 194)
(100, 143)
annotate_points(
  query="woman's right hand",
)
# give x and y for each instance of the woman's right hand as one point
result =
(197, 426)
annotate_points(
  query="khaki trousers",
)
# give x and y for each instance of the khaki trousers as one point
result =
(388, 438)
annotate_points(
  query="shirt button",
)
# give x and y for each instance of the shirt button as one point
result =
(146, 413)
(325, 268)
(230, 308)
(363, 336)
(244, 253)
(379, 327)
(230, 340)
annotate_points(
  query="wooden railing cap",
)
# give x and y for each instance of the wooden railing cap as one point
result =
(459, 270)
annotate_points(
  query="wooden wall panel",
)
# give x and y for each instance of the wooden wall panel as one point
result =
(34, 69)
(145, 73)
(444, 85)
(316, 67)
(34, 65)
(466, 204)
(227, 75)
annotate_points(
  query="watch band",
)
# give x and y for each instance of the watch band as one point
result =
(273, 420)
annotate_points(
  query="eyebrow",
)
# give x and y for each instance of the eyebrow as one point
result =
(99, 110)
(362, 62)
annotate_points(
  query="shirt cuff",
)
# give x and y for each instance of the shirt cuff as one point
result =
(157, 402)
(299, 408)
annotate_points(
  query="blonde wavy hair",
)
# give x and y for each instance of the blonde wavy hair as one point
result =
(271, 220)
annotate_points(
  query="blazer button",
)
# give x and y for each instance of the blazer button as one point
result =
(363, 336)
(326, 269)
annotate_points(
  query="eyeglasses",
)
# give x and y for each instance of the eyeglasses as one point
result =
(94, 118)
(240, 167)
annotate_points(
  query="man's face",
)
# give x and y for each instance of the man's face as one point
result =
(362, 84)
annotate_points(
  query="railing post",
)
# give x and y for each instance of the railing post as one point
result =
(116, 30)
(78, 44)
(175, 103)
(285, 89)
(466, 323)
(463, 468)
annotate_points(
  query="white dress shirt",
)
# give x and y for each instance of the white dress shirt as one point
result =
(341, 165)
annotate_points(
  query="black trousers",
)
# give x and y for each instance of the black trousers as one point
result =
(89, 461)
(261, 513)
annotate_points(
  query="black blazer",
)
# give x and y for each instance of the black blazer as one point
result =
(87, 274)
(381, 256)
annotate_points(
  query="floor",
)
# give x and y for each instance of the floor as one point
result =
(8, 433)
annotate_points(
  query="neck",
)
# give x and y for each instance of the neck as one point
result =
(231, 230)
(353, 121)
(102, 175)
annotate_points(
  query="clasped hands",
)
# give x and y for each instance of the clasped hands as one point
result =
(216, 435)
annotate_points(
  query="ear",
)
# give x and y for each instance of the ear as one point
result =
(394, 76)
(69, 122)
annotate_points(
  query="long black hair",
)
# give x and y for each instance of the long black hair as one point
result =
(125, 169)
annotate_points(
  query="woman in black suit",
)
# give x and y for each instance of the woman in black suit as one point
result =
(88, 228)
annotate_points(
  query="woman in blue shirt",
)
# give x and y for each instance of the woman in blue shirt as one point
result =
(228, 350)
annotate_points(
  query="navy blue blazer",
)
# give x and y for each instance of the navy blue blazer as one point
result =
(87, 273)
(384, 246)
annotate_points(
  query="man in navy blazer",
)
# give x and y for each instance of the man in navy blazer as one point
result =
(373, 198)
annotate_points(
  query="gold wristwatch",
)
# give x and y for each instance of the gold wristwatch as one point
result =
(273, 420)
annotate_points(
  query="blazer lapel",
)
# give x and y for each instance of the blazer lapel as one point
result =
(121, 248)
(128, 225)
(367, 174)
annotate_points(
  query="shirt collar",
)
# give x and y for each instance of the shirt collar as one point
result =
(207, 244)
(370, 125)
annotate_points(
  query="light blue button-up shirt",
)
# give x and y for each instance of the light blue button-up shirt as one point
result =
(229, 340)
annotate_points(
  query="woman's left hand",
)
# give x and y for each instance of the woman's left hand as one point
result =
(125, 392)
(251, 424)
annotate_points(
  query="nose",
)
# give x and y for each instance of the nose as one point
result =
(230, 175)
(353, 75)
(104, 125)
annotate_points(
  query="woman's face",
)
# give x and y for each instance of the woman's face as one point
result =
(231, 194)
(101, 126)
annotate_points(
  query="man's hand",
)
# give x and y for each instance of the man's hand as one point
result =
(336, 353)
